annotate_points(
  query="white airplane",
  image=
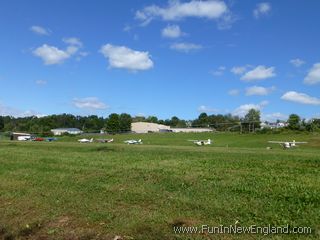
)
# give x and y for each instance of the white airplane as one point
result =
(24, 138)
(105, 140)
(201, 142)
(84, 140)
(133, 141)
(286, 145)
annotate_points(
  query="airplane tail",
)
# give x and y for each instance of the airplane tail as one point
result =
(91, 140)
(209, 141)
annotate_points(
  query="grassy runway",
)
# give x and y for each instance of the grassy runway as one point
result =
(68, 190)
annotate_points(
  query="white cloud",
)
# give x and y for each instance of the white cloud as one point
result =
(239, 70)
(40, 30)
(14, 112)
(41, 82)
(123, 57)
(73, 41)
(300, 98)
(313, 76)
(213, 9)
(219, 71)
(262, 9)
(272, 117)
(172, 31)
(89, 103)
(185, 47)
(257, 90)
(234, 92)
(297, 62)
(259, 73)
(207, 109)
(242, 110)
(51, 55)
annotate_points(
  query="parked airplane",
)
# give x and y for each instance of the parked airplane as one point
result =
(24, 138)
(51, 139)
(201, 142)
(286, 145)
(105, 140)
(133, 141)
(84, 140)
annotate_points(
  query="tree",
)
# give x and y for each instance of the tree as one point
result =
(1, 123)
(152, 119)
(174, 121)
(294, 122)
(203, 120)
(125, 122)
(252, 119)
(113, 123)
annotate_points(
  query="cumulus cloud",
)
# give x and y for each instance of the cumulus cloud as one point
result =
(257, 90)
(39, 30)
(124, 57)
(207, 109)
(300, 98)
(297, 62)
(172, 31)
(272, 117)
(89, 103)
(51, 55)
(259, 73)
(242, 110)
(176, 10)
(41, 82)
(185, 47)
(14, 112)
(234, 92)
(262, 9)
(313, 76)
(239, 70)
(73, 41)
(219, 71)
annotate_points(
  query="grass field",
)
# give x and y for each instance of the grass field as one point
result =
(68, 190)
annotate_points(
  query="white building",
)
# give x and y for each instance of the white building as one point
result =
(145, 127)
(194, 130)
(60, 131)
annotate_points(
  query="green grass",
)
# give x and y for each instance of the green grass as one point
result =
(68, 190)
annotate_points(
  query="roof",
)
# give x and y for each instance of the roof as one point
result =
(66, 129)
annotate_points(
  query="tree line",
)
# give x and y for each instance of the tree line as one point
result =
(116, 123)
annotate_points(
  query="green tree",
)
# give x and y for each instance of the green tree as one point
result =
(152, 119)
(174, 121)
(113, 123)
(252, 119)
(294, 122)
(125, 122)
(1, 123)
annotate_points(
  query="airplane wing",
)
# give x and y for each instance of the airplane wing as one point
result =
(275, 142)
(298, 142)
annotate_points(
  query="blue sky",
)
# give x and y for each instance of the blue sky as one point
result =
(160, 58)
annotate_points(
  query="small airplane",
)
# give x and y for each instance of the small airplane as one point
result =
(50, 139)
(133, 141)
(84, 140)
(287, 145)
(38, 139)
(201, 142)
(105, 140)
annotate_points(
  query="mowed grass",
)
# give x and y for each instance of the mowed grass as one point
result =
(68, 190)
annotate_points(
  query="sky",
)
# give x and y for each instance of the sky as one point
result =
(163, 58)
